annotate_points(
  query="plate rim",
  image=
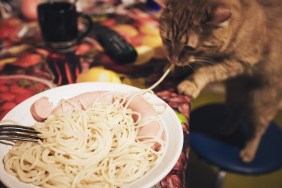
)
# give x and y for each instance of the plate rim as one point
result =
(84, 87)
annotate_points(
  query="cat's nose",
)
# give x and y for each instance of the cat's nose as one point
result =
(175, 60)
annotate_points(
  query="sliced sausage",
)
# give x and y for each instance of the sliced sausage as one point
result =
(42, 108)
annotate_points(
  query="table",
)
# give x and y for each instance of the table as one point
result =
(24, 71)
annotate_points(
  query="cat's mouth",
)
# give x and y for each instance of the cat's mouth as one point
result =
(177, 63)
(192, 60)
(183, 62)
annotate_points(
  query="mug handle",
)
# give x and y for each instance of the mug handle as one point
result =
(89, 26)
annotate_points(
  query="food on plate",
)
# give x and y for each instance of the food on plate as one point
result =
(101, 138)
(93, 139)
(42, 108)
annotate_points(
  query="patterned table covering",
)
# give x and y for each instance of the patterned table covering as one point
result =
(24, 71)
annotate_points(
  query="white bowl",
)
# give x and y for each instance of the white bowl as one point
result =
(173, 130)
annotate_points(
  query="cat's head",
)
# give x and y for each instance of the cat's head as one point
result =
(194, 29)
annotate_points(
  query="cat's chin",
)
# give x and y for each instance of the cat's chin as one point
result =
(185, 62)
(182, 64)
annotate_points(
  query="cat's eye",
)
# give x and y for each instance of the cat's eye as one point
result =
(186, 51)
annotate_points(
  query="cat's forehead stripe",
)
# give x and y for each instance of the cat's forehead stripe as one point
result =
(182, 22)
(180, 28)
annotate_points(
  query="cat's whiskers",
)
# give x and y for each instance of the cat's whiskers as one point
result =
(188, 65)
(202, 61)
(199, 61)
(177, 64)
(205, 60)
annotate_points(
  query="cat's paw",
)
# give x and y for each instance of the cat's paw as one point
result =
(189, 88)
(247, 155)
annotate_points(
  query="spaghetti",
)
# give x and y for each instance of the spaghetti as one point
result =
(98, 146)
(170, 68)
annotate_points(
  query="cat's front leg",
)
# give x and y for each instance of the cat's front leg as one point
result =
(190, 87)
(194, 84)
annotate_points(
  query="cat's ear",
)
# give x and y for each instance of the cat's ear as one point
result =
(219, 15)
(162, 3)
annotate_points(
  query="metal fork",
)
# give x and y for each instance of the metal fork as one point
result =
(18, 132)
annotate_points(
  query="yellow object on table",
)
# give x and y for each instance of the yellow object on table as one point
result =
(99, 74)
(145, 53)
(152, 41)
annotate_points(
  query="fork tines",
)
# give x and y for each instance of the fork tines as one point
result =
(18, 132)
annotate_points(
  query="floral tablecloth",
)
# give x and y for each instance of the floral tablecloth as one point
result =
(24, 71)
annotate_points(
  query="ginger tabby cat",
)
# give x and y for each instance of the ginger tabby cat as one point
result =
(238, 42)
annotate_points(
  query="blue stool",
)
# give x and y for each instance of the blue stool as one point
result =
(223, 152)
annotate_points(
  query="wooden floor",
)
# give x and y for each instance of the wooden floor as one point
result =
(202, 175)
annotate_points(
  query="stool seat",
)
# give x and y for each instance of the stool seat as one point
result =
(207, 143)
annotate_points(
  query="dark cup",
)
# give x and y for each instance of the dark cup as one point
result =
(59, 25)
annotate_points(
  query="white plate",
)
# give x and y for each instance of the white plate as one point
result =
(173, 129)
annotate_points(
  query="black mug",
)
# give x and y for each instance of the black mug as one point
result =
(58, 22)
